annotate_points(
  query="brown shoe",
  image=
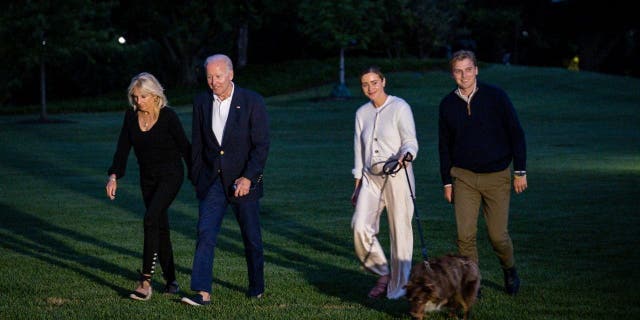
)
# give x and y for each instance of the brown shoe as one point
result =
(511, 281)
(380, 289)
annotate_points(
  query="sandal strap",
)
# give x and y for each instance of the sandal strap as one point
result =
(140, 295)
(144, 277)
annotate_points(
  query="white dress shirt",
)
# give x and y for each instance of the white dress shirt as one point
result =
(219, 114)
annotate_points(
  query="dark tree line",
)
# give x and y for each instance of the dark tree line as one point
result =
(69, 48)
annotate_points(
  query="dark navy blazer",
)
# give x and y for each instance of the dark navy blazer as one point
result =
(244, 148)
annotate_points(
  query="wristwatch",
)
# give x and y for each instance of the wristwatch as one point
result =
(519, 174)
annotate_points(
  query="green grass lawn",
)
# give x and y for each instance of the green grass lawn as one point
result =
(67, 252)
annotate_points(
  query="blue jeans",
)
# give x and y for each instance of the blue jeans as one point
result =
(211, 212)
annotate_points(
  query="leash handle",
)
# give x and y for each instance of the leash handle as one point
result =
(392, 166)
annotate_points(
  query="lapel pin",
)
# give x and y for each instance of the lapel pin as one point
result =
(237, 107)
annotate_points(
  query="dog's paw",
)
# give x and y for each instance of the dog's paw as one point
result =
(430, 306)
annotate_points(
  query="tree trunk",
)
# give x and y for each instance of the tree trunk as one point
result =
(243, 43)
(190, 71)
(340, 91)
(43, 89)
(342, 66)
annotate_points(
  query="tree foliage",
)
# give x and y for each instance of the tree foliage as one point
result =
(171, 38)
(54, 30)
(501, 28)
(436, 24)
(182, 33)
(336, 24)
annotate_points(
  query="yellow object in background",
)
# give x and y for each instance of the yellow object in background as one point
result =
(574, 64)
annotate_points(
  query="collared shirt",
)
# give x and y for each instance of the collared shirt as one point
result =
(467, 99)
(383, 133)
(220, 113)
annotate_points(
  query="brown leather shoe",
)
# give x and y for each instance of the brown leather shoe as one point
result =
(511, 281)
(380, 289)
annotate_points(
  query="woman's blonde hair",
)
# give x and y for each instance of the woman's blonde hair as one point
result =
(147, 83)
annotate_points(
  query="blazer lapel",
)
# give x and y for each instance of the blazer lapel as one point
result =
(207, 113)
(234, 109)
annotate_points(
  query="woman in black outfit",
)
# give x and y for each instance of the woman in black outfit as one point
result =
(158, 139)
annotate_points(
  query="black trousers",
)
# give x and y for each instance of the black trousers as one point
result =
(159, 188)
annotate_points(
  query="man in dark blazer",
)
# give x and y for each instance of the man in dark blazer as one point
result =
(230, 139)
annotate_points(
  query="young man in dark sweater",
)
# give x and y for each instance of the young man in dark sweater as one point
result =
(479, 137)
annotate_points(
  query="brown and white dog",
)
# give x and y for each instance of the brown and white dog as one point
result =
(451, 281)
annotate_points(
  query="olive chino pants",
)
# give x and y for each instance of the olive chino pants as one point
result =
(490, 192)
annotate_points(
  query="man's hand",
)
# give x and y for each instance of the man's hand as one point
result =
(448, 193)
(242, 187)
(520, 184)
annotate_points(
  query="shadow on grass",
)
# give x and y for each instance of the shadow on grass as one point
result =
(28, 162)
(24, 229)
(346, 284)
(34, 237)
(45, 121)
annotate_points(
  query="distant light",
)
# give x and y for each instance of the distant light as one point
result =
(44, 42)
(525, 33)
(122, 40)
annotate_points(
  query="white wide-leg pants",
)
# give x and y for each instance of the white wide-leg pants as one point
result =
(378, 192)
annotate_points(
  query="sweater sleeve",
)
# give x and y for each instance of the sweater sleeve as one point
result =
(357, 150)
(407, 130)
(119, 163)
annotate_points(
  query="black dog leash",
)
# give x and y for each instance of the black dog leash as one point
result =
(392, 167)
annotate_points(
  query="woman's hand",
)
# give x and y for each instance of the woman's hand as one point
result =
(112, 185)
(356, 191)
